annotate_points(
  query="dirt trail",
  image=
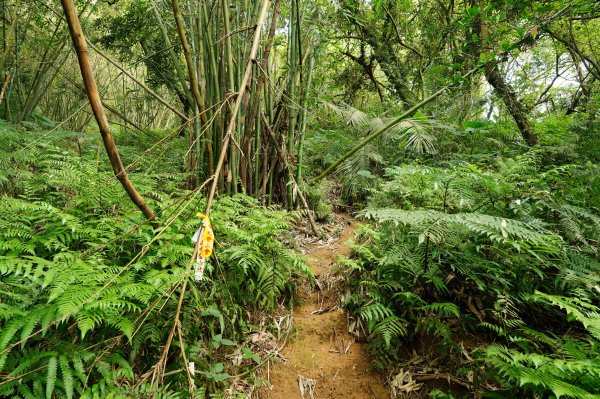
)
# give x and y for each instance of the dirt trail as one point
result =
(314, 348)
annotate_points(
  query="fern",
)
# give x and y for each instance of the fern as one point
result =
(467, 248)
(389, 328)
(442, 309)
(70, 295)
(51, 376)
(540, 373)
(583, 312)
(439, 226)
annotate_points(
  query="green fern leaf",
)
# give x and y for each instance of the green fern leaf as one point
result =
(51, 376)
(389, 328)
(67, 376)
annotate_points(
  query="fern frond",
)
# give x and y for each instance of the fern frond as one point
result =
(389, 328)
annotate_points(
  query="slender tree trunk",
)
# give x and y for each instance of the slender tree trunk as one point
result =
(229, 71)
(94, 98)
(4, 86)
(303, 117)
(516, 109)
(293, 60)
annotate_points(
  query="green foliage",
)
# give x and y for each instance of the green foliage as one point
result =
(573, 370)
(258, 267)
(469, 230)
(88, 292)
(495, 249)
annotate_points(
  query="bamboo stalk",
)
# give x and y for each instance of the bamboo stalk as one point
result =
(191, 73)
(255, 108)
(229, 69)
(94, 98)
(215, 177)
(212, 85)
(292, 76)
(302, 131)
(5, 86)
(286, 165)
(170, 50)
(9, 38)
(238, 102)
(188, 58)
(36, 91)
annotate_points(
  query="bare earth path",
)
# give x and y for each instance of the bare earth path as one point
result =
(321, 348)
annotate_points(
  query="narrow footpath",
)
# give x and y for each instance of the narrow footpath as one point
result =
(322, 359)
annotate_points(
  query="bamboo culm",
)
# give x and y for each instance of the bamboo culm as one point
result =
(89, 81)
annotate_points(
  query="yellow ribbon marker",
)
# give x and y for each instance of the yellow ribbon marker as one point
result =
(208, 240)
(206, 246)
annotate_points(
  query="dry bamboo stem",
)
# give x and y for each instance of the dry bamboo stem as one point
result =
(94, 98)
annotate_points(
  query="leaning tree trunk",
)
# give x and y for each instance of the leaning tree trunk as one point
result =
(94, 98)
(516, 109)
(514, 106)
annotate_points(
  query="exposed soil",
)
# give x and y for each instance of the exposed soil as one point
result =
(320, 350)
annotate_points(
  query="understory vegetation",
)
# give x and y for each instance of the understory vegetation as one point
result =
(465, 135)
(486, 264)
(87, 286)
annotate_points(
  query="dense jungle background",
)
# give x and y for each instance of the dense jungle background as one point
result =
(464, 135)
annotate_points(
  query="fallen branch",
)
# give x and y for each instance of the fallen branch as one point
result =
(447, 377)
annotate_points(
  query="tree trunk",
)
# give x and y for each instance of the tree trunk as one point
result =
(94, 98)
(391, 67)
(514, 106)
(516, 109)
(384, 54)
